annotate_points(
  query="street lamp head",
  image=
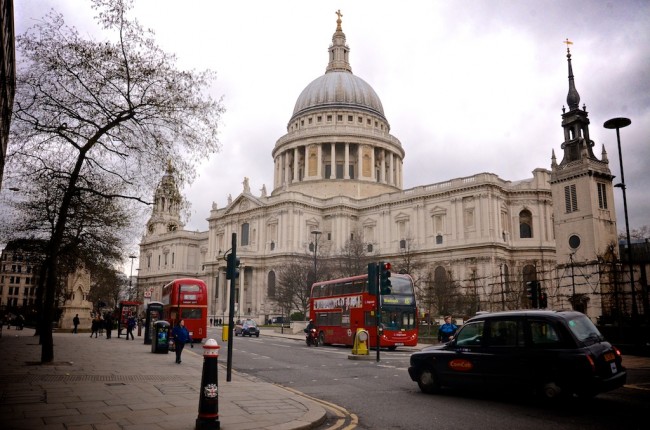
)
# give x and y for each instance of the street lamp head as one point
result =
(617, 123)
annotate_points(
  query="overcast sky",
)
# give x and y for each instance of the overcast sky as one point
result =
(467, 86)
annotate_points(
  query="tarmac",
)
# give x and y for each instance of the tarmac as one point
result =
(111, 384)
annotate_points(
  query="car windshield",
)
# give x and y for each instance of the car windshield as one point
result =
(584, 329)
(249, 324)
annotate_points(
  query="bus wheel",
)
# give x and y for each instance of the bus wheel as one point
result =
(428, 381)
(321, 338)
(392, 348)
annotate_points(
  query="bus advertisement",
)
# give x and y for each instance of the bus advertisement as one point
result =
(188, 298)
(340, 306)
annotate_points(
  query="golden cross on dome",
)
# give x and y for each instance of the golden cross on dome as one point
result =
(338, 20)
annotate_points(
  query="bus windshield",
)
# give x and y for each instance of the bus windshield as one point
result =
(401, 286)
(397, 318)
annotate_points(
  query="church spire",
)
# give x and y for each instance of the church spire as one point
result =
(572, 98)
(339, 51)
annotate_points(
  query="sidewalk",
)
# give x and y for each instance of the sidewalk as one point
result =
(111, 384)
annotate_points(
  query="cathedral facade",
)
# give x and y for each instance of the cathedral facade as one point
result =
(338, 172)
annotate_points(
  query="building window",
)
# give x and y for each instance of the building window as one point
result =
(319, 118)
(570, 198)
(329, 118)
(310, 120)
(350, 118)
(244, 234)
(370, 248)
(402, 244)
(339, 117)
(602, 195)
(360, 120)
(439, 239)
(525, 224)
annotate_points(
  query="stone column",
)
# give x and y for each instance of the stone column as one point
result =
(346, 163)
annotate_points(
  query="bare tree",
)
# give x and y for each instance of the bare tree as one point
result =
(294, 285)
(106, 286)
(116, 110)
(354, 258)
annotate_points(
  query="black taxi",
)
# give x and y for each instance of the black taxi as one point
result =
(551, 353)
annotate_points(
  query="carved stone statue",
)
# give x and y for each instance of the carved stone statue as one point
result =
(247, 188)
(263, 190)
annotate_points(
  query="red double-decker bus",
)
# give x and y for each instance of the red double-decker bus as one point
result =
(188, 298)
(340, 306)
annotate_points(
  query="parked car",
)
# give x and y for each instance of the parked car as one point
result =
(247, 328)
(551, 353)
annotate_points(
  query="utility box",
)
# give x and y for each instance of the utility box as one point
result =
(160, 337)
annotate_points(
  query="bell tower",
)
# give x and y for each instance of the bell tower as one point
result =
(166, 215)
(583, 197)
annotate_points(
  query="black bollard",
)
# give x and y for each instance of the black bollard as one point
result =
(208, 418)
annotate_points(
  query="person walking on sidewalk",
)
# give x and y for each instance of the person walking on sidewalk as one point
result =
(181, 336)
(75, 322)
(130, 325)
(108, 322)
(94, 328)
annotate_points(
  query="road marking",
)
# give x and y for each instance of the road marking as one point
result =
(347, 419)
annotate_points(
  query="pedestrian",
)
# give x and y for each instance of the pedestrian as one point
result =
(94, 327)
(108, 323)
(181, 337)
(210, 322)
(130, 325)
(75, 322)
(447, 330)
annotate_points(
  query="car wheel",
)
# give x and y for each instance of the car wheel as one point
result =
(257, 335)
(428, 381)
(551, 391)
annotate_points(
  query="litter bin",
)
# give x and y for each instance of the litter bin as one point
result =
(160, 338)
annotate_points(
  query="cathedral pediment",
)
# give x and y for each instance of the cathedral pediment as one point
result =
(243, 203)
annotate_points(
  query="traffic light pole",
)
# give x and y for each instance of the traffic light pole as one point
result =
(378, 311)
(230, 272)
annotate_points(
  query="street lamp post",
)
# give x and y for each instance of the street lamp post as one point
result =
(132, 257)
(618, 123)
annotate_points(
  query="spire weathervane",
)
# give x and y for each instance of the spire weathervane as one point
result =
(573, 98)
(567, 42)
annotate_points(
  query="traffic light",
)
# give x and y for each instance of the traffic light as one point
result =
(532, 292)
(232, 266)
(543, 300)
(372, 278)
(384, 278)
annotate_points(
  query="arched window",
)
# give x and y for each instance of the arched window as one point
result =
(244, 234)
(525, 224)
(439, 239)
(271, 284)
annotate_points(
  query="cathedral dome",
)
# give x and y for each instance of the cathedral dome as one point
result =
(338, 89)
